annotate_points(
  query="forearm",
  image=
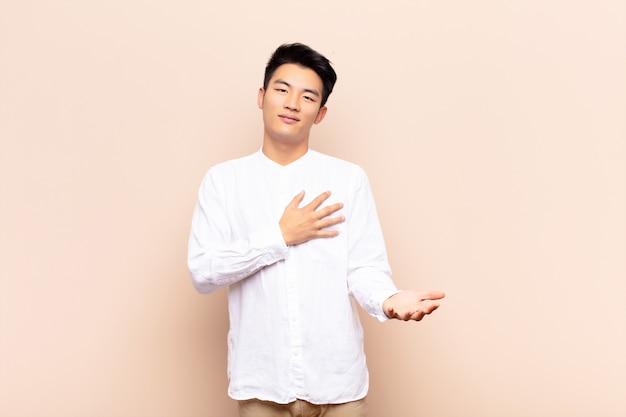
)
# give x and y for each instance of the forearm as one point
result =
(371, 286)
(213, 265)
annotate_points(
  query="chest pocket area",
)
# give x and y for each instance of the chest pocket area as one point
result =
(332, 249)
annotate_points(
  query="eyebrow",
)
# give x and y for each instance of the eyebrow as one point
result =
(308, 90)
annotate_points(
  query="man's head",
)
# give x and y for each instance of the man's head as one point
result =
(297, 53)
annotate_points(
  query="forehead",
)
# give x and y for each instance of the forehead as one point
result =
(298, 76)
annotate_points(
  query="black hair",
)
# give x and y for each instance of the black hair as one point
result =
(297, 53)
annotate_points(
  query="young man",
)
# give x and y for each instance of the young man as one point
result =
(295, 236)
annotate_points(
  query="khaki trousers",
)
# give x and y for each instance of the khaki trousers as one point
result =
(301, 408)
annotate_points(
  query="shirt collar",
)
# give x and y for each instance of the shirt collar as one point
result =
(295, 164)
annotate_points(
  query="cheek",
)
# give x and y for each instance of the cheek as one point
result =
(268, 108)
(311, 111)
(317, 116)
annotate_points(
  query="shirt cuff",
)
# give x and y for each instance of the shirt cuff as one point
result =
(271, 243)
(380, 299)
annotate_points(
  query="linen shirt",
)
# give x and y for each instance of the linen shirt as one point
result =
(294, 330)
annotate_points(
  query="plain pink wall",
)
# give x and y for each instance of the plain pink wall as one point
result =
(494, 135)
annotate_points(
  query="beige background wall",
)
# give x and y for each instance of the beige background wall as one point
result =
(494, 134)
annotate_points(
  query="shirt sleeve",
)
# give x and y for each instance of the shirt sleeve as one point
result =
(215, 258)
(369, 273)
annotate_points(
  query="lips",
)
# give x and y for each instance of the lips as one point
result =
(287, 118)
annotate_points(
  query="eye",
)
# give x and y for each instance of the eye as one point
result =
(281, 90)
(309, 98)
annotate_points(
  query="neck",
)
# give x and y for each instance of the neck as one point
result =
(284, 153)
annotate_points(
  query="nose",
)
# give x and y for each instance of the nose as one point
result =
(291, 103)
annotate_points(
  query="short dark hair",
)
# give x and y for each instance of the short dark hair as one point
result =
(297, 53)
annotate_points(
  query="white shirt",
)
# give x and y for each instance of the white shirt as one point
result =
(294, 327)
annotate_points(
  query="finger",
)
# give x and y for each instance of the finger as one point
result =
(329, 221)
(429, 309)
(417, 316)
(404, 315)
(317, 201)
(424, 311)
(295, 202)
(328, 210)
(432, 295)
(326, 233)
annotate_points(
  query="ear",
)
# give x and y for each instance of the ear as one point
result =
(259, 100)
(320, 114)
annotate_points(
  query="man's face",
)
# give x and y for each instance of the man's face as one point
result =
(291, 104)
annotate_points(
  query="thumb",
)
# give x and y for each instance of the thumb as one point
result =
(432, 295)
